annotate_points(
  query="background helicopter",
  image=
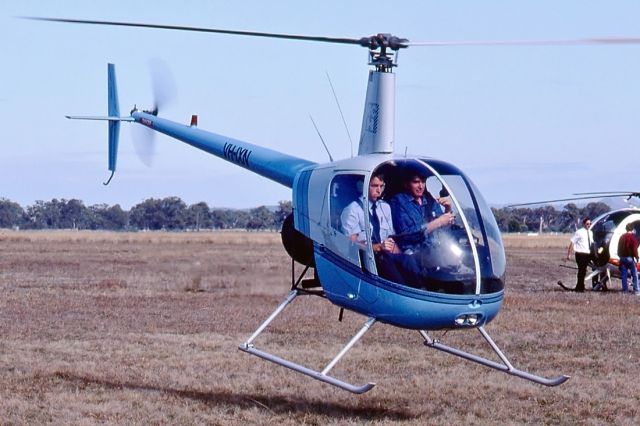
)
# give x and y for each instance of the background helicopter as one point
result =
(463, 291)
(607, 229)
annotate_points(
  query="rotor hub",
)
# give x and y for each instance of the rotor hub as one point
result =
(378, 45)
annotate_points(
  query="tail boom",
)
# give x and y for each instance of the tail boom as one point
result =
(271, 164)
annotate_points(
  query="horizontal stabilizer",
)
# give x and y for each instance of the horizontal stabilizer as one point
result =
(98, 117)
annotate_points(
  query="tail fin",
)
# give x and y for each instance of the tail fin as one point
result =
(114, 119)
(114, 125)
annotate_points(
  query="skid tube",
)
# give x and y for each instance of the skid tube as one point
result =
(505, 367)
(323, 375)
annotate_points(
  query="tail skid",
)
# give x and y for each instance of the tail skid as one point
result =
(114, 130)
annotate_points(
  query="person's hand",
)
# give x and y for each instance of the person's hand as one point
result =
(446, 203)
(390, 246)
(445, 219)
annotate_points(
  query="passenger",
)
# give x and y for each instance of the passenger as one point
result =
(389, 261)
(417, 213)
(381, 226)
(628, 254)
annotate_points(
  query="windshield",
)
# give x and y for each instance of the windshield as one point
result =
(604, 227)
(441, 235)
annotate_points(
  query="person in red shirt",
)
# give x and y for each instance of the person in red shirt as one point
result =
(628, 254)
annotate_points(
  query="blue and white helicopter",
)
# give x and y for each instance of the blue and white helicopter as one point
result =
(459, 283)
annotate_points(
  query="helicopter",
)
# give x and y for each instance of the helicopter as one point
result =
(607, 229)
(461, 272)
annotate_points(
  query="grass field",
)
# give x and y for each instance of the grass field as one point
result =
(143, 329)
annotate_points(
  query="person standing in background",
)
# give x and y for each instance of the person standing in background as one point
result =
(628, 254)
(581, 246)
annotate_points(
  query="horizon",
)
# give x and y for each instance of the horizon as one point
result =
(613, 204)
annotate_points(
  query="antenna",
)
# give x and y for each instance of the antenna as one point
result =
(341, 115)
(321, 139)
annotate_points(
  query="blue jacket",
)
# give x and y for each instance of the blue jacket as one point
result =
(409, 216)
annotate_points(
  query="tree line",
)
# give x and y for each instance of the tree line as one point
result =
(173, 214)
(546, 218)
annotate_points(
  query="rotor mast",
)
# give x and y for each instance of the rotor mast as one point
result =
(377, 135)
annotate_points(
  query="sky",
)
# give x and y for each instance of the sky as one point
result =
(524, 123)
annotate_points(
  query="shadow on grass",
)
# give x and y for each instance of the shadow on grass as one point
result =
(272, 404)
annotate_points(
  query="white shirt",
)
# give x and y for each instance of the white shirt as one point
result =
(581, 239)
(352, 219)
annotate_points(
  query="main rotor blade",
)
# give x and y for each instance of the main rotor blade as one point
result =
(620, 193)
(559, 42)
(372, 42)
(590, 197)
(359, 41)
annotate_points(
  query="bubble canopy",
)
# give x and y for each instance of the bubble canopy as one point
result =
(431, 230)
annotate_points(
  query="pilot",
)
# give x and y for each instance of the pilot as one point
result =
(415, 211)
(385, 249)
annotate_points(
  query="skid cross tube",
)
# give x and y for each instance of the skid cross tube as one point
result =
(506, 367)
(323, 376)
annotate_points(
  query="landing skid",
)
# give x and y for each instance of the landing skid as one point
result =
(323, 375)
(599, 276)
(305, 287)
(564, 287)
(505, 367)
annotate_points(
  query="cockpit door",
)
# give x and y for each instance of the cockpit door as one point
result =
(451, 241)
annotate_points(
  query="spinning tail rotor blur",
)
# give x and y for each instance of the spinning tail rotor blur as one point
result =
(164, 93)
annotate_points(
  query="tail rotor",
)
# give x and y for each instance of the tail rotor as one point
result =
(164, 93)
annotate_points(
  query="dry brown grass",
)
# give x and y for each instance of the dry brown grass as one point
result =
(143, 329)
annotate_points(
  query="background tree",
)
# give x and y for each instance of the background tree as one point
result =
(593, 210)
(229, 218)
(147, 215)
(260, 218)
(285, 208)
(103, 216)
(171, 213)
(11, 214)
(199, 216)
(43, 214)
(73, 215)
(174, 212)
(569, 218)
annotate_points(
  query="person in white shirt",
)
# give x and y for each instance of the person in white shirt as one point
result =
(581, 245)
(380, 223)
